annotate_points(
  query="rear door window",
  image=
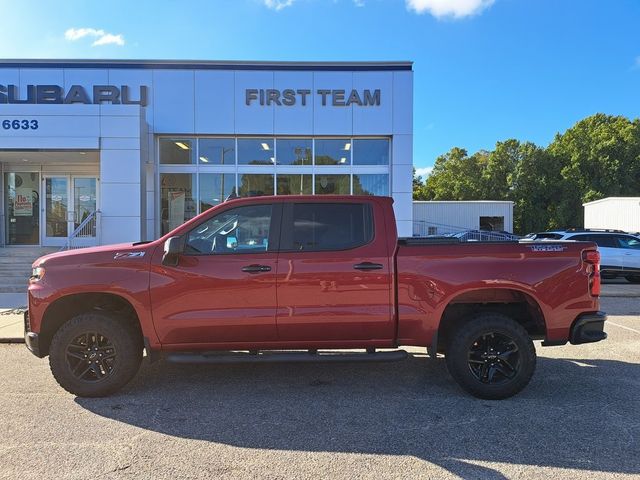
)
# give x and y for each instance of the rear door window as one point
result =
(313, 227)
(625, 241)
(600, 240)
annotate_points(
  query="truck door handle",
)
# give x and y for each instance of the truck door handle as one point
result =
(367, 266)
(256, 268)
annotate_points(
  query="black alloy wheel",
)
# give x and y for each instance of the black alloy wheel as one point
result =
(491, 356)
(494, 358)
(91, 357)
(95, 353)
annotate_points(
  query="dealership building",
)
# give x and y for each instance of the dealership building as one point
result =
(120, 151)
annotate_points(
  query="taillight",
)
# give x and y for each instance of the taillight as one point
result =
(592, 257)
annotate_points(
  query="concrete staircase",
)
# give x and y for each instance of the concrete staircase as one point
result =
(15, 266)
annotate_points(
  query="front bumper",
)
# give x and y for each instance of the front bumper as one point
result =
(588, 328)
(31, 339)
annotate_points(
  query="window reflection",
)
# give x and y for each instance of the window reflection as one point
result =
(254, 185)
(333, 151)
(256, 151)
(217, 151)
(177, 151)
(377, 184)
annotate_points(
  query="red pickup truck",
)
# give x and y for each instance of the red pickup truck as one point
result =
(271, 279)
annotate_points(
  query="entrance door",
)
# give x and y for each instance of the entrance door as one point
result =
(68, 202)
(22, 211)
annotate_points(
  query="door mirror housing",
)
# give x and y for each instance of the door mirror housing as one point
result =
(173, 248)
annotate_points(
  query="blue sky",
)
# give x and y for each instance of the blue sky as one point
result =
(485, 70)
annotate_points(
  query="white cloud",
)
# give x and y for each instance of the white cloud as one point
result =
(424, 172)
(109, 39)
(102, 37)
(358, 3)
(449, 8)
(278, 5)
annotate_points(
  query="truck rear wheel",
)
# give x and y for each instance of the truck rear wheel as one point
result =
(491, 356)
(95, 354)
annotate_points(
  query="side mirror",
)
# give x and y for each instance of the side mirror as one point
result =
(173, 248)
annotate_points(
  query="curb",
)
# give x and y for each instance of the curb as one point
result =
(12, 340)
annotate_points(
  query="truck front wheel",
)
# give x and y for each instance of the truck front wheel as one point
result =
(95, 354)
(491, 356)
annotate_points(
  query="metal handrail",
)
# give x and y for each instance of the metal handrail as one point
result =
(87, 228)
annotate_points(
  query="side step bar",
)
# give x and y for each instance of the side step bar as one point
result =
(280, 357)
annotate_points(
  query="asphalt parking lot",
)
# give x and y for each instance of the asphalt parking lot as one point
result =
(579, 418)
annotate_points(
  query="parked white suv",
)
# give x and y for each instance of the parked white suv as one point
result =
(619, 251)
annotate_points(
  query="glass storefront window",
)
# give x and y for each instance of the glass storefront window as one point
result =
(294, 184)
(177, 151)
(254, 185)
(377, 184)
(333, 151)
(294, 151)
(177, 204)
(217, 151)
(333, 184)
(22, 208)
(371, 151)
(256, 151)
(215, 188)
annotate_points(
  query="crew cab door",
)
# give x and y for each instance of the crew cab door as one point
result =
(335, 278)
(223, 289)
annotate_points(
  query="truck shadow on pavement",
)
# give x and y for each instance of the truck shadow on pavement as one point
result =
(575, 414)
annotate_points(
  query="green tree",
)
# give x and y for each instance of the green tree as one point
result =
(500, 167)
(418, 187)
(456, 176)
(600, 157)
(536, 187)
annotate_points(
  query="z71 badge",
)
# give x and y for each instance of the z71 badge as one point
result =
(120, 255)
(547, 248)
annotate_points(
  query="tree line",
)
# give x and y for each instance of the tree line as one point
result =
(596, 158)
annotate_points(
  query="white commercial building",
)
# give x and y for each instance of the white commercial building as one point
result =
(443, 217)
(615, 213)
(120, 151)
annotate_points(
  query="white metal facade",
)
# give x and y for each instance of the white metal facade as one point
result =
(197, 100)
(441, 217)
(617, 213)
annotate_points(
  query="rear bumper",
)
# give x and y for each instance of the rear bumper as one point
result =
(588, 328)
(31, 339)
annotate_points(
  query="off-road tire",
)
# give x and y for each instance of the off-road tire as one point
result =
(469, 346)
(104, 335)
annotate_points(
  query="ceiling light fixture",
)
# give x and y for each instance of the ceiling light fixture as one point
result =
(347, 146)
(204, 159)
(343, 160)
(182, 145)
(265, 146)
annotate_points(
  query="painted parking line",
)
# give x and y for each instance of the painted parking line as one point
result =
(609, 322)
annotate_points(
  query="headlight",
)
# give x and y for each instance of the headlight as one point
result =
(36, 274)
